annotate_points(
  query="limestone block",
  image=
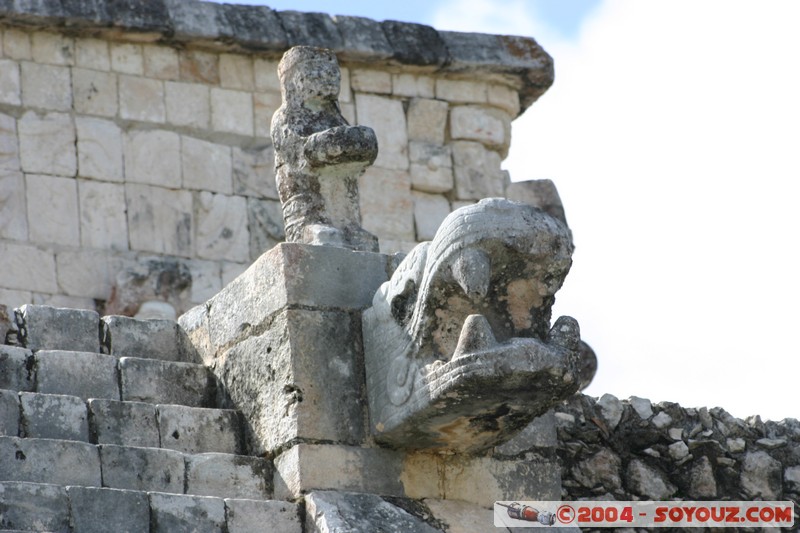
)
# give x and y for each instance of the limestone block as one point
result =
(308, 467)
(46, 86)
(52, 48)
(34, 506)
(295, 274)
(13, 212)
(431, 167)
(159, 220)
(61, 300)
(9, 410)
(232, 111)
(174, 512)
(226, 475)
(47, 144)
(130, 468)
(61, 462)
(485, 125)
(477, 171)
(49, 328)
(127, 58)
(387, 204)
(152, 339)
(188, 104)
(52, 203)
(92, 53)
(254, 172)
(86, 272)
(264, 106)
(9, 147)
(206, 280)
(206, 165)
(102, 216)
(17, 369)
(236, 72)
(53, 416)
(313, 388)
(154, 381)
(99, 149)
(197, 430)
(160, 62)
(124, 423)
(246, 516)
(328, 511)
(221, 223)
(266, 75)
(265, 224)
(198, 66)
(371, 81)
(461, 91)
(429, 212)
(387, 117)
(94, 93)
(412, 85)
(349, 113)
(82, 374)
(761, 476)
(27, 267)
(505, 98)
(538, 193)
(461, 517)
(427, 120)
(10, 89)
(99, 510)
(17, 44)
(345, 90)
(141, 99)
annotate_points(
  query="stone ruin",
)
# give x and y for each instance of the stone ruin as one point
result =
(331, 387)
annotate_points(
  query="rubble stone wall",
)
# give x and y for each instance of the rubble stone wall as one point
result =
(124, 140)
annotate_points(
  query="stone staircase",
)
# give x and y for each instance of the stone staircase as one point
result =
(114, 424)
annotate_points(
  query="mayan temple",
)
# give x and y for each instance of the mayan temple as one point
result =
(261, 271)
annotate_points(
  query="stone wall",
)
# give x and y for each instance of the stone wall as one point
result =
(145, 132)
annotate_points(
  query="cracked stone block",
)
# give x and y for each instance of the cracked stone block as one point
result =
(198, 430)
(54, 416)
(227, 475)
(17, 369)
(175, 512)
(145, 469)
(99, 510)
(82, 374)
(154, 381)
(33, 507)
(51, 328)
(124, 423)
(348, 511)
(61, 462)
(245, 516)
(9, 413)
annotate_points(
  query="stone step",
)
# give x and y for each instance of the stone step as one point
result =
(47, 507)
(148, 339)
(168, 382)
(41, 327)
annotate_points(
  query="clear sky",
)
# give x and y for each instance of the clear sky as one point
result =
(673, 135)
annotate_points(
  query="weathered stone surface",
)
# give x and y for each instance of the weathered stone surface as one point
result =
(13, 212)
(432, 362)
(33, 507)
(10, 89)
(206, 165)
(318, 156)
(661, 420)
(159, 220)
(461, 517)
(9, 413)
(226, 475)
(236, 72)
(127, 58)
(363, 39)
(97, 510)
(149, 339)
(538, 193)
(54, 201)
(427, 120)
(245, 516)
(485, 125)
(431, 167)
(231, 111)
(477, 171)
(265, 225)
(157, 278)
(9, 147)
(300, 379)
(505, 98)
(175, 512)
(46, 86)
(17, 369)
(94, 92)
(387, 117)
(103, 222)
(92, 53)
(611, 409)
(153, 157)
(196, 19)
(416, 44)
(648, 482)
(27, 267)
(430, 210)
(702, 484)
(50, 328)
(540, 433)
(82, 374)
(160, 62)
(188, 104)
(144, 469)
(256, 26)
(371, 81)
(642, 406)
(600, 470)
(387, 204)
(761, 476)
(99, 149)
(329, 511)
(310, 29)
(61, 462)
(141, 99)
(196, 430)
(254, 171)
(413, 85)
(221, 227)
(53, 416)
(461, 91)
(124, 423)
(154, 381)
